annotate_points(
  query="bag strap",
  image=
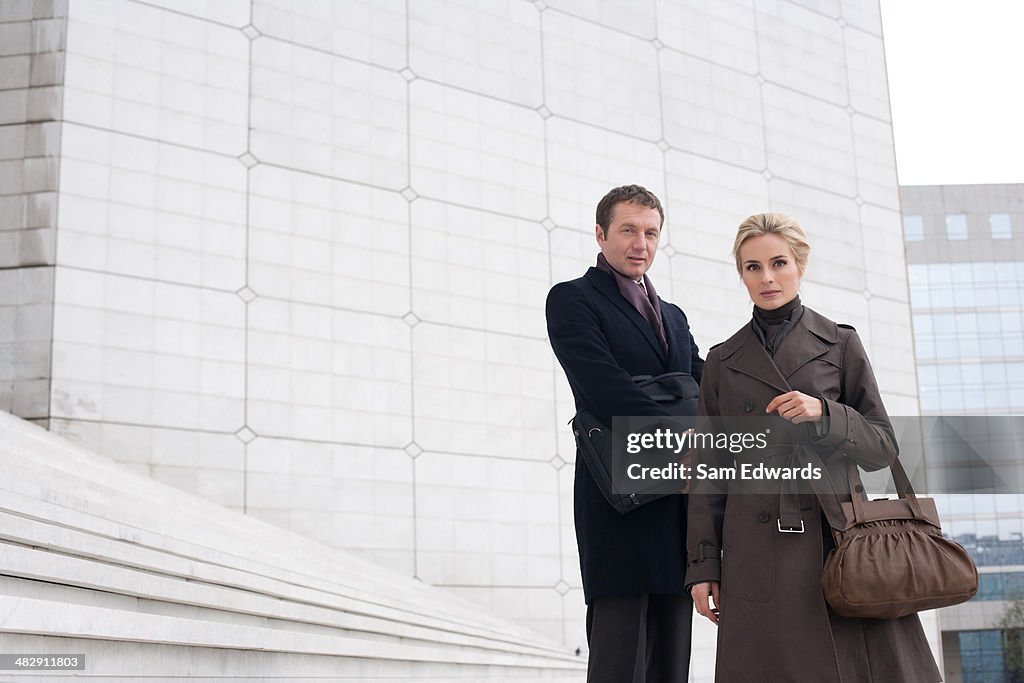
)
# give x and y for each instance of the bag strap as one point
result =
(859, 496)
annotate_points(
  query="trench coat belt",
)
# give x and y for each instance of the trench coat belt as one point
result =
(799, 454)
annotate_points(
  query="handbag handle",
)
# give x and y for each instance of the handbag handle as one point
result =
(903, 488)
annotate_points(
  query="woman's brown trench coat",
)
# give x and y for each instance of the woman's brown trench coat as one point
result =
(775, 626)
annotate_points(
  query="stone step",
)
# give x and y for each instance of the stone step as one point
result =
(151, 582)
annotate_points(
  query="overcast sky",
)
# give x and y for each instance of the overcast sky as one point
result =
(956, 69)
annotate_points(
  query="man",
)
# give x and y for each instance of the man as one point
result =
(605, 328)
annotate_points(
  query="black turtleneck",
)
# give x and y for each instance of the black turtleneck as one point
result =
(771, 326)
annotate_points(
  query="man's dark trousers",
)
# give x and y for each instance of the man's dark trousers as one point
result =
(639, 638)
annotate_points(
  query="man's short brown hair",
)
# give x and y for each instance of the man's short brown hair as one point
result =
(631, 194)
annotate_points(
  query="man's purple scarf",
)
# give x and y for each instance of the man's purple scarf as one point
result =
(648, 305)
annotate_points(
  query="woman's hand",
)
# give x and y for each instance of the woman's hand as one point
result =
(796, 407)
(700, 592)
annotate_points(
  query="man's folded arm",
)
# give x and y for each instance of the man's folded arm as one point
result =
(579, 344)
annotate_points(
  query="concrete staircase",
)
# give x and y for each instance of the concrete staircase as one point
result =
(152, 583)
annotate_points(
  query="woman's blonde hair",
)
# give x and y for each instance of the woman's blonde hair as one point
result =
(779, 224)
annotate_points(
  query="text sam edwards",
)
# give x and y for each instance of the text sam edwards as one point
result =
(746, 471)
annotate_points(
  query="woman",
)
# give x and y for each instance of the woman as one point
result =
(756, 548)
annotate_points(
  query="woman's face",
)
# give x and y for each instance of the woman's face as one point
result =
(770, 271)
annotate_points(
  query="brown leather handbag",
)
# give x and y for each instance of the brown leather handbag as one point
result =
(891, 558)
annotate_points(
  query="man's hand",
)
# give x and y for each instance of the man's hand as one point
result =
(700, 593)
(796, 407)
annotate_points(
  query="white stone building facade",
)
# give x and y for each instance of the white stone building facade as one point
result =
(292, 256)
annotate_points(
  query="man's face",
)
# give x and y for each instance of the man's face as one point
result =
(633, 234)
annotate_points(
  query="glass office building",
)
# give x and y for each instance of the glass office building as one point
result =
(965, 263)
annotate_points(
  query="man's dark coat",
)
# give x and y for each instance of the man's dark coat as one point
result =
(602, 341)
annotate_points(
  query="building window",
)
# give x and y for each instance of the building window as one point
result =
(956, 226)
(1000, 225)
(913, 228)
(1000, 586)
(981, 656)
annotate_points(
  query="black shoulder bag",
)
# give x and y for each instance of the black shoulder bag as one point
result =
(677, 391)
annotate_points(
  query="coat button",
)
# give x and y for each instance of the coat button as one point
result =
(748, 406)
(763, 517)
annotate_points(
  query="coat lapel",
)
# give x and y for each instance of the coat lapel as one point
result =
(669, 325)
(798, 348)
(745, 354)
(605, 284)
(810, 339)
